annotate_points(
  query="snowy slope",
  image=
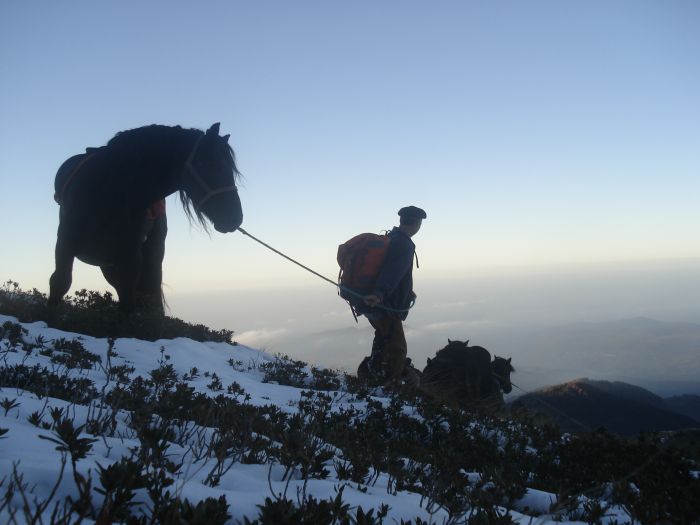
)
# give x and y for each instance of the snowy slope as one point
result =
(244, 485)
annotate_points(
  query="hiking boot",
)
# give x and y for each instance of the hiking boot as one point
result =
(411, 375)
(377, 368)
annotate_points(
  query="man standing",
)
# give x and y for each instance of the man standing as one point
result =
(390, 299)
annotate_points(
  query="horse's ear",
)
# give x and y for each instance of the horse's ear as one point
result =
(467, 343)
(509, 359)
(449, 341)
(226, 137)
(214, 129)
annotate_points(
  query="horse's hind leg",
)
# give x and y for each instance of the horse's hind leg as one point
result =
(62, 277)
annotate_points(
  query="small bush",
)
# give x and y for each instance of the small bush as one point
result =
(45, 383)
(285, 371)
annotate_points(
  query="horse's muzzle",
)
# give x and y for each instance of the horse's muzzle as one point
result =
(227, 226)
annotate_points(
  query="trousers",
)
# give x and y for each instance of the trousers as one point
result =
(390, 344)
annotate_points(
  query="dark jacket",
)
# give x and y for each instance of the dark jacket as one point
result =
(394, 284)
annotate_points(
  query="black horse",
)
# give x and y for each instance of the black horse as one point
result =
(112, 211)
(466, 375)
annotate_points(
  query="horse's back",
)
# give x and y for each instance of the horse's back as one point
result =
(454, 362)
(479, 356)
(467, 357)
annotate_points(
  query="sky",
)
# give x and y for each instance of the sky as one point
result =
(540, 137)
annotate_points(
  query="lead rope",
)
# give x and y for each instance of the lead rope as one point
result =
(337, 285)
(287, 257)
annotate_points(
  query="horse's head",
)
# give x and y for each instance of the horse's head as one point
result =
(209, 182)
(501, 370)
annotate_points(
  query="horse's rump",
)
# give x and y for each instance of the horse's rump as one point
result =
(65, 174)
(457, 363)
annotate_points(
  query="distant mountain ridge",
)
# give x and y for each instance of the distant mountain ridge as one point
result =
(622, 408)
(628, 391)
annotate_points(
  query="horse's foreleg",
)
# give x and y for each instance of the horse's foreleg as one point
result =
(151, 276)
(128, 270)
(62, 277)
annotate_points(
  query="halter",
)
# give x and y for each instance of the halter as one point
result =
(499, 380)
(208, 191)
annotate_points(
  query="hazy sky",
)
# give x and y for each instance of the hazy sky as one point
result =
(502, 312)
(537, 134)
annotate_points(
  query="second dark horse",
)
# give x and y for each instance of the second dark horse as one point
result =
(466, 375)
(108, 195)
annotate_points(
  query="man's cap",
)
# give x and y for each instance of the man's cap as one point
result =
(412, 212)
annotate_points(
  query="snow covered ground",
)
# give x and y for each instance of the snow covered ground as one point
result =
(245, 485)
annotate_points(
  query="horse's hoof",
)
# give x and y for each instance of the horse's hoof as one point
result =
(53, 303)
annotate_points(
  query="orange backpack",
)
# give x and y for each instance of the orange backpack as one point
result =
(360, 261)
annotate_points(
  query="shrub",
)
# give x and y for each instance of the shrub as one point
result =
(97, 314)
(285, 371)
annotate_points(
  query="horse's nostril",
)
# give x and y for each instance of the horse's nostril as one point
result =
(224, 228)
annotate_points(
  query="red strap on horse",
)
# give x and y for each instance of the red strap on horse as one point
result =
(156, 210)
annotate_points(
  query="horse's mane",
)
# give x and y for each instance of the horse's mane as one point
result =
(160, 136)
(154, 134)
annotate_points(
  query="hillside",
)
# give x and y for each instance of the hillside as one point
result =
(688, 405)
(583, 405)
(629, 392)
(196, 432)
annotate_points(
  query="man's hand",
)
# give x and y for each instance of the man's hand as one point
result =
(371, 300)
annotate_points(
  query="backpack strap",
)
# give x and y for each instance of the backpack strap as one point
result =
(353, 312)
(352, 308)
